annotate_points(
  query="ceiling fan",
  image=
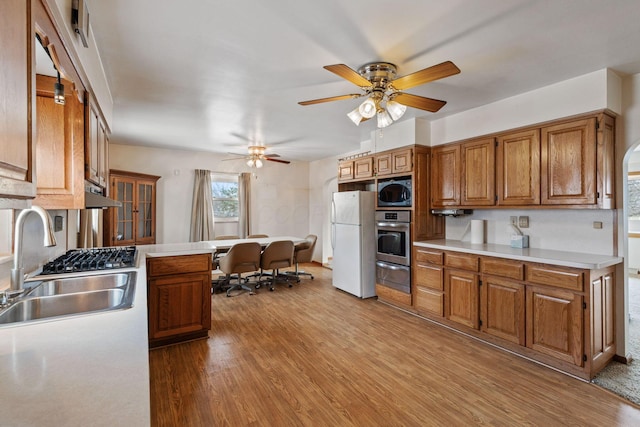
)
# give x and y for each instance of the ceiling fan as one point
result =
(383, 90)
(256, 155)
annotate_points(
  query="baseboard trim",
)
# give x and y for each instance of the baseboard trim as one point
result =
(623, 359)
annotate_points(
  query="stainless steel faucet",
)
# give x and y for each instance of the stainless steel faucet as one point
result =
(17, 272)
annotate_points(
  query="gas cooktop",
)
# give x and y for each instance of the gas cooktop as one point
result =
(93, 259)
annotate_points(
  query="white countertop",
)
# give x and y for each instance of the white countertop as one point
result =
(546, 256)
(89, 370)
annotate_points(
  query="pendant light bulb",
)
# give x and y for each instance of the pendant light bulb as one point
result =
(367, 108)
(384, 119)
(58, 92)
(355, 116)
(395, 109)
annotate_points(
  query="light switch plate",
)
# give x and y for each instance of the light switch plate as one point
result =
(523, 222)
(597, 224)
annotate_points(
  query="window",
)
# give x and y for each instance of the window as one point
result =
(224, 188)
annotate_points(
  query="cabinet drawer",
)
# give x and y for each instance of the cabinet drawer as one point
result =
(429, 276)
(430, 301)
(461, 261)
(432, 256)
(560, 278)
(502, 268)
(178, 264)
(392, 295)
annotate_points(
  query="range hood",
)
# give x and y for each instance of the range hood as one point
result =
(93, 198)
(451, 212)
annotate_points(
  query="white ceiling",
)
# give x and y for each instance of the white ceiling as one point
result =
(213, 75)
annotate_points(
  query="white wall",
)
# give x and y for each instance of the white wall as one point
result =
(279, 193)
(593, 91)
(323, 182)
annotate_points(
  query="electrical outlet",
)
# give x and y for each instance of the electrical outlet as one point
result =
(523, 222)
(597, 224)
(514, 220)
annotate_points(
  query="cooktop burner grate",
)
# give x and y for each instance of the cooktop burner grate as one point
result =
(91, 260)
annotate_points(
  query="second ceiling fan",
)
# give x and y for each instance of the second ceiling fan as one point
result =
(385, 98)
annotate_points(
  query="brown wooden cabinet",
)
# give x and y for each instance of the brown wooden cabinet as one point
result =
(477, 182)
(363, 167)
(568, 163)
(518, 168)
(428, 281)
(565, 163)
(561, 316)
(96, 146)
(555, 323)
(445, 176)
(394, 162)
(345, 170)
(179, 298)
(17, 115)
(502, 299)
(602, 319)
(133, 223)
(59, 147)
(461, 282)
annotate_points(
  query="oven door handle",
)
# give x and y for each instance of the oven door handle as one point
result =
(393, 224)
(391, 267)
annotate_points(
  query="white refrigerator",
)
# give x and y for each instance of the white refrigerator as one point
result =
(353, 242)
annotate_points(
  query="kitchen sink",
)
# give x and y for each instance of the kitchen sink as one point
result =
(80, 284)
(57, 298)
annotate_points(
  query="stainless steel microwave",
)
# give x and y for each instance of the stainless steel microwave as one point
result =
(394, 192)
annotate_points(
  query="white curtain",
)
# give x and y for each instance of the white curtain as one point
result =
(202, 207)
(244, 197)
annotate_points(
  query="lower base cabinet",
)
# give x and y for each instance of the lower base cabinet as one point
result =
(563, 317)
(179, 298)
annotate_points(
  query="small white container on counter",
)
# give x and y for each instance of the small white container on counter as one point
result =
(519, 241)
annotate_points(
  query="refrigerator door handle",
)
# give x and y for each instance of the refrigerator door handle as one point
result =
(333, 224)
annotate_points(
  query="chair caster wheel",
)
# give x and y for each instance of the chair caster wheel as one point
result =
(228, 295)
(311, 277)
(258, 285)
(290, 285)
(271, 289)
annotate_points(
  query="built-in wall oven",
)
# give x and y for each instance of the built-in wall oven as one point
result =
(393, 254)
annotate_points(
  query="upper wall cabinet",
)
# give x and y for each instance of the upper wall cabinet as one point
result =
(59, 147)
(17, 86)
(394, 162)
(445, 175)
(477, 183)
(566, 163)
(518, 168)
(96, 146)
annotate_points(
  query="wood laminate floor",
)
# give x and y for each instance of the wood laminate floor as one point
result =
(312, 355)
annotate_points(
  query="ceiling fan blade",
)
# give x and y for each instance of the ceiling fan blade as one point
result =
(427, 75)
(333, 98)
(348, 74)
(272, 155)
(415, 101)
(286, 162)
(235, 158)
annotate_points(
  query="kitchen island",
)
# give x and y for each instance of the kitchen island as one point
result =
(88, 370)
(91, 369)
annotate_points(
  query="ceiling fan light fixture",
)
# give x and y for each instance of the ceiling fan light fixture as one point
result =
(384, 119)
(395, 109)
(251, 163)
(355, 116)
(368, 108)
(258, 163)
